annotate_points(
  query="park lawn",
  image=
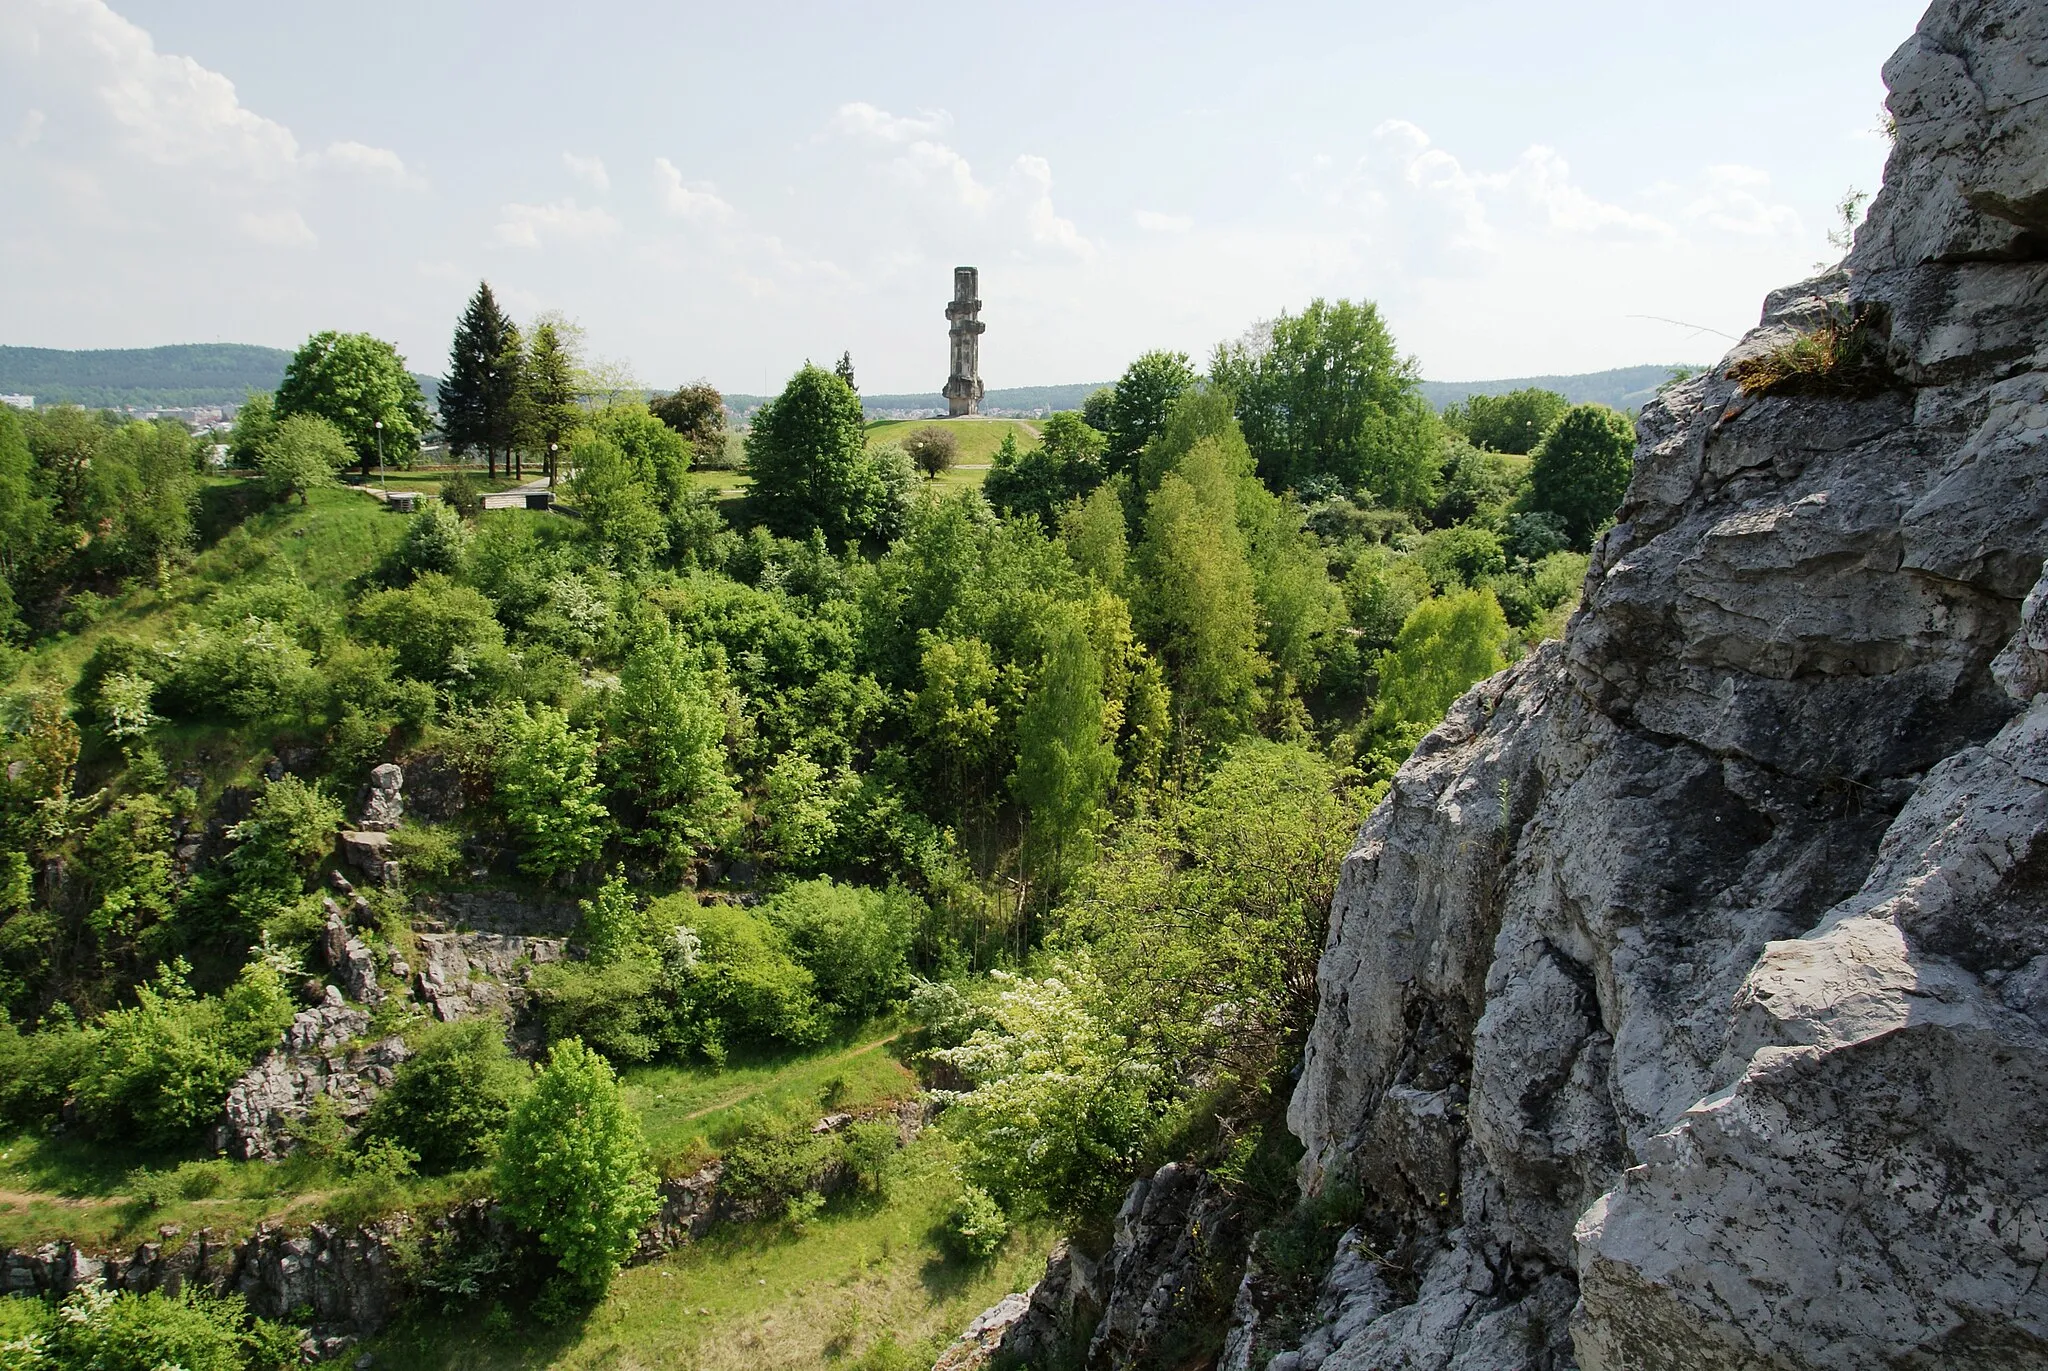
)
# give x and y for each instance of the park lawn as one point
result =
(690, 1112)
(866, 1284)
(978, 438)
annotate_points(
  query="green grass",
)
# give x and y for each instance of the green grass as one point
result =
(52, 1188)
(689, 1112)
(762, 1297)
(978, 438)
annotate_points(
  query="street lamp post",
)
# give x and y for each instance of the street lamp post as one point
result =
(552, 447)
(381, 485)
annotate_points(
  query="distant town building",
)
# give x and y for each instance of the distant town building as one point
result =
(19, 401)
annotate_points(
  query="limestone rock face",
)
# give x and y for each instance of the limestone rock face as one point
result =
(322, 1055)
(384, 799)
(461, 974)
(1686, 999)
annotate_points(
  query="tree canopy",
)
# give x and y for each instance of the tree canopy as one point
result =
(1581, 469)
(356, 382)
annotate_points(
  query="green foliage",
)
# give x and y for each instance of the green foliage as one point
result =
(572, 1168)
(547, 783)
(290, 828)
(427, 852)
(976, 1225)
(463, 493)
(1514, 422)
(933, 450)
(1381, 591)
(1059, 1107)
(807, 454)
(1445, 646)
(664, 755)
(255, 421)
(300, 454)
(1065, 763)
(1138, 405)
(738, 977)
(547, 409)
(1096, 536)
(1067, 463)
(1203, 923)
(1460, 557)
(354, 382)
(1581, 470)
(855, 942)
(96, 1329)
(441, 632)
(434, 540)
(697, 412)
(620, 514)
(452, 1098)
(1325, 393)
(161, 1069)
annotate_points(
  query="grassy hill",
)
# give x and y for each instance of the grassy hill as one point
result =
(978, 438)
(183, 374)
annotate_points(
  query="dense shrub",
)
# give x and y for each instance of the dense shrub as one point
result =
(976, 1224)
(852, 940)
(452, 1097)
(96, 1329)
(160, 1070)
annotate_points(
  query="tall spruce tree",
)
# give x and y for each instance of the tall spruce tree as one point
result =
(511, 419)
(844, 371)
(478, 397)
(550, 394)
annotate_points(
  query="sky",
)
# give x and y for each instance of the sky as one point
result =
(723, 192)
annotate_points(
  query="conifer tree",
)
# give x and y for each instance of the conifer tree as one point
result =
(550, 393)
(476, 397)
(844, 371)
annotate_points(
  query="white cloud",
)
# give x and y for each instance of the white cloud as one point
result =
(1733, 200)
(864, 120)
(285, 228)
(697, 200)
(31, 128)
(1047, 227)
(164, 109)
(525, 226)
(378, 163)
(589, 170)
(1154, 222)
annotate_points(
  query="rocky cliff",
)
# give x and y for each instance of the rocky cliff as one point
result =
(1684, 1002)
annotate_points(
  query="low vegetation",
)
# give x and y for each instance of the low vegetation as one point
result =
(1026, 799)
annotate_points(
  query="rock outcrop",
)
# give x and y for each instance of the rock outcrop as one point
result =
(1686, 1000)
(323, 1056)
(461, 974)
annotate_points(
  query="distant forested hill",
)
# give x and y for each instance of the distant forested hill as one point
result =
(1623, 388)
(179, 375)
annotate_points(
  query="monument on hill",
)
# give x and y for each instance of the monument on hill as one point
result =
(963, 387)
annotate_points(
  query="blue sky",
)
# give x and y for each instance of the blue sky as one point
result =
(722, 192)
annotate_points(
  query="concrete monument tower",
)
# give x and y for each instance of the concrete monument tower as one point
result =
(963, 387)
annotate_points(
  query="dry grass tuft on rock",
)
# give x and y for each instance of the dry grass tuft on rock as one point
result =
(1844, 356)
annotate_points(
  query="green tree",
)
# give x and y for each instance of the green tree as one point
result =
(253, 424)
(290, 828)
(1514, 422)
(807, 454)
(440, 631)
(1139, 403)
(573, 1170)
(480, 394)
(933, 450)
(547, 782)
(843, 369)
(1095, 534)
(664, 754)
(451, 1098)
(1095, 409)
(1581, 469)
(619, 509)
(1324, 392)
(434, 540)
(697, 412)
(1447, 644)
(549, 412)
(1066, 463)
(355, 382)
(103, 1330)
(613, 927)
(1064, 763)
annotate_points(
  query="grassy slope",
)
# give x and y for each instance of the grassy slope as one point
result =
(978, 438)
(765, 1297)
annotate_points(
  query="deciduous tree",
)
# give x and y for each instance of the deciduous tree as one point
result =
(1581, 469)
(354, 382)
